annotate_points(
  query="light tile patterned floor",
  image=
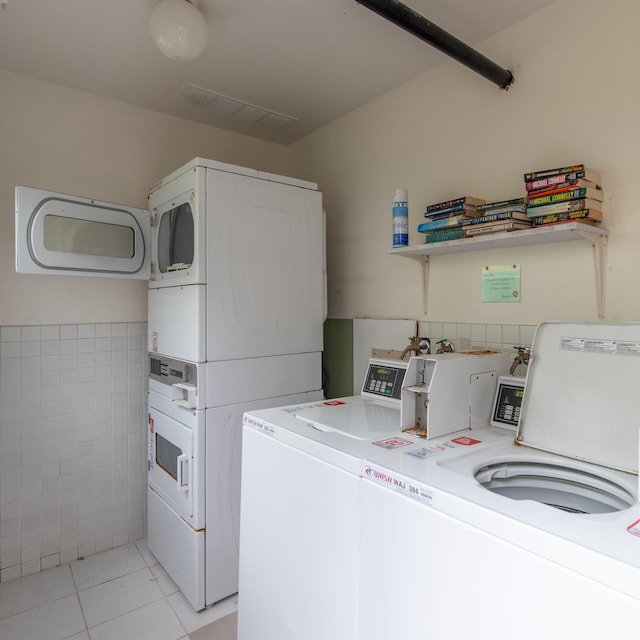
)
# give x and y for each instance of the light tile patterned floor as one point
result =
(119, 594)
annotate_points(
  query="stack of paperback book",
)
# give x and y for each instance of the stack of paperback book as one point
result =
(446, 220)
(505, 215)
(565, 194)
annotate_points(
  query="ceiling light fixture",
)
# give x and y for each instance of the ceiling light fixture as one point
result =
(179, 30)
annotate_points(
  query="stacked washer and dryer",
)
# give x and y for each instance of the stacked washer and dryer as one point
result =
(234, 259)
(235, 324)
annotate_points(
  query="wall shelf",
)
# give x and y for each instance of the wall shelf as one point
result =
(567, 231)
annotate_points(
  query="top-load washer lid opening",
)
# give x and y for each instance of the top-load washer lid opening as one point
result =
(565, 488)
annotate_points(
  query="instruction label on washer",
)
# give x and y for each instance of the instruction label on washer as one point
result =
(423, 453)
(264, 427)
(397, 483)
(593, 345)
(392, 443)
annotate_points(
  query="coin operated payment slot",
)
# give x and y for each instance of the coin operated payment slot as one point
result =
(179, 380)
(185, 395)
(443, 394)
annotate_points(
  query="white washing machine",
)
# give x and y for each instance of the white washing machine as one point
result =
(301, 530)
(535, 534)
(299, 525)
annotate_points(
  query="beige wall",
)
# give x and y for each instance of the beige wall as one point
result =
(450, 132)
(446, 133)
(62, 140)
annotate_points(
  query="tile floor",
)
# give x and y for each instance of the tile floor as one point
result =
(119, 594)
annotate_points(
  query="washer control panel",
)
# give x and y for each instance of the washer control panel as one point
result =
(508, 402)
(384, 379)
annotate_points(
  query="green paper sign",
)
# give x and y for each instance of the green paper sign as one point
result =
(501, 283)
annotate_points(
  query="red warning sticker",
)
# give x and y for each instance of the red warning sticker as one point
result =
(333, 403)
(466, 441)
(151, 425)
(634, 529)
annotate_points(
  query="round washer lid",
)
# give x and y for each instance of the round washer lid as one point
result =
(582, 394)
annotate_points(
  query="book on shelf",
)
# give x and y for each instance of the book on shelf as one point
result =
(500, 215)
(564, 185)
(457, 209)
(515, 204)
(455, 233)
(447, 204)
(587, 221)
(514, 208)
(564, 207)
(434, 225)
(495, 227)
(587, 216)
(588, 174)
(550, 182)
(563, 196)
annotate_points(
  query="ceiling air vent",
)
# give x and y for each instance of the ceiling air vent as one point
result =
(227, 107)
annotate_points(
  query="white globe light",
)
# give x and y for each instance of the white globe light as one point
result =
(179, 30)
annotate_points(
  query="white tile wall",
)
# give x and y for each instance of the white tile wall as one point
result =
(393, 334)
(473, 336)
(466, 337)
(72, 476)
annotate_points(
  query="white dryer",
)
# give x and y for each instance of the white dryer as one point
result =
(237, 263)
(299, 532)
(529, 535)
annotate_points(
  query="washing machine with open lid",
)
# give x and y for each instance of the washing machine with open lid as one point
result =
(581, 410)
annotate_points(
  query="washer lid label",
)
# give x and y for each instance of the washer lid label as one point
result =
(263, 427)
(595, 345)
(397, 483)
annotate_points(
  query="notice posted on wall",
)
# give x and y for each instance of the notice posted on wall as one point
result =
(501, 283)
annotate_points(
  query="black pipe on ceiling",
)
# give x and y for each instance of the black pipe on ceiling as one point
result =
(406, 18)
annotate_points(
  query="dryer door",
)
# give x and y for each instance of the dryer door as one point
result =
(174, 464)
(58, 234)
(178, 253)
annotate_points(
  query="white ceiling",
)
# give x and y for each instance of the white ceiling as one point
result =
(315, 60)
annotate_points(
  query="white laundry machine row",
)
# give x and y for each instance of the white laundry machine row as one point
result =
(484, 533)
(301, 530)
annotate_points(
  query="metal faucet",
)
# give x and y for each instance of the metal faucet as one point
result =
(413, 346)
(445, 346)
(524, 353)
(417, 345)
